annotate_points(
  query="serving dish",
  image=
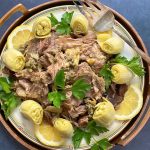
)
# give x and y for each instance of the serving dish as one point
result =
(123, 140)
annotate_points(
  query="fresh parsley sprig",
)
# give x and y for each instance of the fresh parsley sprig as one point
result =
(58, 96)
(79, 88)
(53, 19)
(62, 27)
(87, 133)
(106, 73)
(133, 64)
(102, 144)
(59, 80)
(8, 100)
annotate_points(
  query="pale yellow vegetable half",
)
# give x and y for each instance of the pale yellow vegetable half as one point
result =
(42, 27)
(104, 113)
(13, 59)
(79, 24)
(32, 110)
(113, 45)
(103, 36)
(122, 74)
(63, 126)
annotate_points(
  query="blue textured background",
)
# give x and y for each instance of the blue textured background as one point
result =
(137, 12)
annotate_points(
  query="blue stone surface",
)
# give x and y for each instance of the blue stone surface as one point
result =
(137, 12)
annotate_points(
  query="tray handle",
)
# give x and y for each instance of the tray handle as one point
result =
(18, 8)
(138, 125)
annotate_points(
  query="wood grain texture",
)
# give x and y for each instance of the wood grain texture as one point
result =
(134, 127)
(18, 8)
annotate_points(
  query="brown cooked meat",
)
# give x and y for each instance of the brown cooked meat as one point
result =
(116, 93)
(45, 57)
(28, 90)
(35, 76)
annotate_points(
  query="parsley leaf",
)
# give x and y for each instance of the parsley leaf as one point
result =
(95, 129)
(5, 84)
(53, 19)
(101, 145)
(8, 100)
(77, 137)
(106, 73)
(57, 98)
(79, 88)
(67, 17)
(87, 133)
(133, 64)
(63, 27)
(60, 79)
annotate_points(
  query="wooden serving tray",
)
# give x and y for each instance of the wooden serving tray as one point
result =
(135, 125)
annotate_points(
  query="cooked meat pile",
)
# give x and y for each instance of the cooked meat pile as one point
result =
(79, 57)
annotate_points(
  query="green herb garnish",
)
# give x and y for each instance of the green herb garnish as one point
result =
(87, 133)
(106, 73)
(62, 27)
(53, 19)
(101, 145)
(59, 80)
(57, 98)
(133, 64)
(9, 101)
(79, 88)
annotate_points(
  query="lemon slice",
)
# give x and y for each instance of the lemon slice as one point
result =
(19, 36)
(48, 135)
(131, 105)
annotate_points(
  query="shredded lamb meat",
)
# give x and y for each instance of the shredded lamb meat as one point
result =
(45, 57)
(29, 90)
(116, 93)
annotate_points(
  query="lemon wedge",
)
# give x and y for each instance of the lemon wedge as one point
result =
(131, 105)
(48, 135)
(19, 36)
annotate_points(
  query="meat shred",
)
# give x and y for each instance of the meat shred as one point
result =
(45, 57)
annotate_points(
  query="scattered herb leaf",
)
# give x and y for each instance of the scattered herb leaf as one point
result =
(57, 98)
(59, 80)
(106, 73)
(77, 137)
(79, 88)
(101, 145)
(133, 64)
(63, 27)
(87, 133)
(67, 17)
(95, 129)
(53, 19)
(5, 84)
(8, 100)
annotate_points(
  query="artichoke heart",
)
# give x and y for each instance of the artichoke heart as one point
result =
(79, 24)
(63, 126)
(73, 55)
(103, 36)
(42, 27)
(104, 113)
(122, 75)
(13, 59)
(113, 45)
(32, 110)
